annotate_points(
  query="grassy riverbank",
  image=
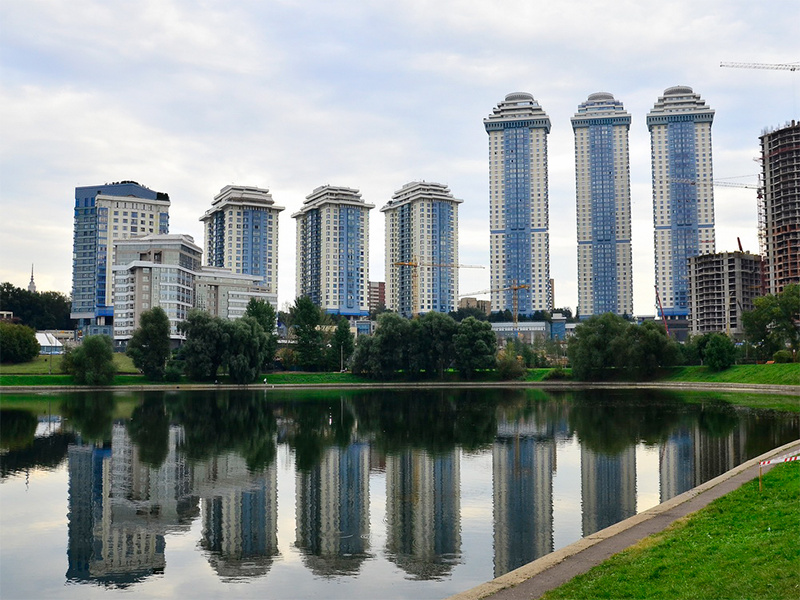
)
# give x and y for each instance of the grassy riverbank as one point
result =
(743, 545)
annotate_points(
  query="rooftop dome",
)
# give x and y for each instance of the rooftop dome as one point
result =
(678, 90)
(519, 96)
(597, 96)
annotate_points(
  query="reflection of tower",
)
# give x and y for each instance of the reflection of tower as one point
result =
(676, 463)
(608, 488)
(423, 512)
(523, 466)
(716, 451)
(240, 515)
(333, 511)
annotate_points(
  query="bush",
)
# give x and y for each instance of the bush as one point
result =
(173, 371)
(91, 363)
(719, 353)
(782, 356)
(509, 364)
(556, 374)
(17, 343)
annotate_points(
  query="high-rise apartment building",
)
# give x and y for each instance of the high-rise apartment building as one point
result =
(377, 295)
(333, 250)
(422, 249)
(518, 205)
(603, 206)
(779, 207)
(104, 214)
(683, 192)
(723, 285)
(241, 230)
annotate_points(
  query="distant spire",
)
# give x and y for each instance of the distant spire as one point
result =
(32, 285)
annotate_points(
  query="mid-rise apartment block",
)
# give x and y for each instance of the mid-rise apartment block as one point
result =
(222, 293)
(603, 206)
(422, 249)
(779, 207)
(519, 242)
(333, 250)
(683, 192)
(103, 215)
(154, 270)
(377, 295)
(241, 234)
(722, 286)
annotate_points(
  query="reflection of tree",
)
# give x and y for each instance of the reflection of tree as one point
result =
(433, 420)
(149, 430)
(608, 422)
(91, 414)
(317, 425)
(218, 421)
(17, 428)
(717, 419)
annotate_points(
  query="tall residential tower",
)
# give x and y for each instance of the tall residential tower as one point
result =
(603, 203)
(103, 214)
(779, 207)
(333, 250)
(518, 205)
(422, 249)
(241, 231)
(683, 192)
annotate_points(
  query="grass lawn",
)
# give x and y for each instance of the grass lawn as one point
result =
(45, 365)
(743, 545)
(777, 374)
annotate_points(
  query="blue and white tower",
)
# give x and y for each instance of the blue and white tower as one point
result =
(603, 206)
(241, 233)
(683, 192)
(103, 214)
(333, 250)
(422, 249)
(518, 205)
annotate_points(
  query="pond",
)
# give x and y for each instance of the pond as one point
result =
(368, 494)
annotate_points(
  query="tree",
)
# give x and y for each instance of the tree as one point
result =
(475, 347)
(510, 365)
(91, 363)
(149, 345)
(646, 348)
(265, 314)
(246, 349)
(306, 320)
(435, 342)
(362, 356)
(203, 352)
(771, 325)
(39, 310)
(719, 352)
(17, 343)
(597, 346)
(341, 347)
(389, 349)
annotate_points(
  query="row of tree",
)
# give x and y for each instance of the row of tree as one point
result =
(39, 310)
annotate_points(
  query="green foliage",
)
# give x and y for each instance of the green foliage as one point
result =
(607, 345)
(265, 314)
(92, 362)
(149, 345)
(17, 343)
(475, 346)
(389, 349)
(39, 310)
(306, 319)
(435, 346)
(557, 374)
(463, 313)
(510, 365)
(719, 352)
(782, 356)
(771, 325)
(341, 346)
(247, 349)
(203, 351)
(17, 430)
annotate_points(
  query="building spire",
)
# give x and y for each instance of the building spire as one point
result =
(32, 285)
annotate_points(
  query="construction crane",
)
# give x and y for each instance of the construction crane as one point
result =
(514, 289)
(415, 265)
(775, 66)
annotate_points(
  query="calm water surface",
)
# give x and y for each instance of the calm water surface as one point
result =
(268, 494)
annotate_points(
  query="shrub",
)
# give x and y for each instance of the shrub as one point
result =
(17, 343)
(782, 356)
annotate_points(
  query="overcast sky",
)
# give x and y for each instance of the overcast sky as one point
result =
(186, 97)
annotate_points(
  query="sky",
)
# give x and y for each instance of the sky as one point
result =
(186, 97)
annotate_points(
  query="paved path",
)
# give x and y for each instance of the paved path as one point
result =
(534, 579)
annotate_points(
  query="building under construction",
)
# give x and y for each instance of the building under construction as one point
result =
(779, 207)
(721, 287)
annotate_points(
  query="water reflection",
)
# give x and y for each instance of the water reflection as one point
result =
(181, 457)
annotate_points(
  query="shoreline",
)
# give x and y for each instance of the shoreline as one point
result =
(790, 390)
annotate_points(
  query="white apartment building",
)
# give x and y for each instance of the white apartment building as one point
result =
(518, 205)
(333, 250)
(421, 249)
(683, 192)
(603, 206)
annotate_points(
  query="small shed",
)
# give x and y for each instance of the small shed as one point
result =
(48, 344)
